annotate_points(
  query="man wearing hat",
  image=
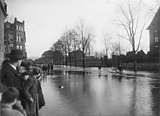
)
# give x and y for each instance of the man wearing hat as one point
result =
(9, 74)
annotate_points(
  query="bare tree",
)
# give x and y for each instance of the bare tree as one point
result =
(57, 46)
(107, 42)
(66, 45)
(131, 23)
(116, 49)
(68, 40)
(75, 44)
(85, 36)
(98, 54)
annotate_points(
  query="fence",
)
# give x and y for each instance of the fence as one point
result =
(143, 66)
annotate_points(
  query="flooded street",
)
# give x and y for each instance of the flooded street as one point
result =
(70, 92)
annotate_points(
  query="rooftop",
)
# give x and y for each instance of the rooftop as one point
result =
(155, 23)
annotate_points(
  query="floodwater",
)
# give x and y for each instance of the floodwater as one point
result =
(70, 92)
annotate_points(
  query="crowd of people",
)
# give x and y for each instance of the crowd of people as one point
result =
(23, 94)
(47, 68)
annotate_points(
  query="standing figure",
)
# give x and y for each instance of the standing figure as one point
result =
(119, 67)
(51, 68)
(48, 68)
(30, 94)
(9, 73)
(37, 75)
(42, 67)
(99, 69)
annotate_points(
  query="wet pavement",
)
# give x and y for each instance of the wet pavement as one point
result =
(78, 92)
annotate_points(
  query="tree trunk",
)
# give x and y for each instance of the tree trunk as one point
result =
(66, 60)
(83, 59)
(70, 60)
(134, 56)
(75, 60)
(135, 65)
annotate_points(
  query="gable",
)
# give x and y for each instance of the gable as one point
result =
(155, 23)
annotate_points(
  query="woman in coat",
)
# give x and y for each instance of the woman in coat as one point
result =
(30, 94)
(37, 74)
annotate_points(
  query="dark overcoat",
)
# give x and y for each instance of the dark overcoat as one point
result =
(40, 95)
(10, 76)
(29, 90)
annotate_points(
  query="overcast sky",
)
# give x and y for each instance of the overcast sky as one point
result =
(46, 20)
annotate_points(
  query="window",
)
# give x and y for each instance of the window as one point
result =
(10, 38)
(20, 47)
(156, 39)
(21, 39)
(17, 39)
(17, 27)
(11, 45)
(155, 31)
(21, 29)
(17, 46)
(156, 36)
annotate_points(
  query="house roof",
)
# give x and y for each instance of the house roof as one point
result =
(155, 21)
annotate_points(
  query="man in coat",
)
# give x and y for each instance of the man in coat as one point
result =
(9, 73)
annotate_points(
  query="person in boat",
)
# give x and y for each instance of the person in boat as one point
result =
(119, 68)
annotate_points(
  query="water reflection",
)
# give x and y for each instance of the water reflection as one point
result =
(156, 98)
(88, 94)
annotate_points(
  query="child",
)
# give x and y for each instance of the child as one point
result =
(9, 98)
(29, 94)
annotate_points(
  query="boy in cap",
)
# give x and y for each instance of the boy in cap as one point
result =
(9, 98)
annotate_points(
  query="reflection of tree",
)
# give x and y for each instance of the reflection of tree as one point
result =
(133, 99)
(84, 85)
(155, 88)
(156, 98)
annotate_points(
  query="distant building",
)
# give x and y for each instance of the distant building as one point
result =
(50, 56)
(76, 55)
(3, 14)
(154, 32)
(14, 36)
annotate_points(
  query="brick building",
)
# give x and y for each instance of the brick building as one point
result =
(14, 36)
(154, 32)
(3, 14)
